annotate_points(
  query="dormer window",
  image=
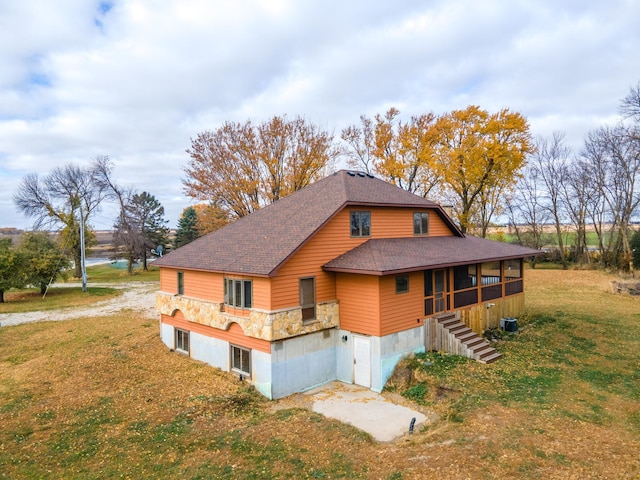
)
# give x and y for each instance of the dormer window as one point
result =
(421, 223)
(360, 224)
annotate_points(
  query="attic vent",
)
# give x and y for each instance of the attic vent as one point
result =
(360, 174)
(351, 174)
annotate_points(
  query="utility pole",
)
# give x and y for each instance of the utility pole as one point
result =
(83, 265)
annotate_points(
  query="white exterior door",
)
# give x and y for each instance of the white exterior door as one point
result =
(362, 361)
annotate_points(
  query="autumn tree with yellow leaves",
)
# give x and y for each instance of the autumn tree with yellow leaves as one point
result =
(399, 152)
(479, 157)
(469, 157)
(241, 167)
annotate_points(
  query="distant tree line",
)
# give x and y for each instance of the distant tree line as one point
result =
(484, 165)
(596, 189)
(467, 158)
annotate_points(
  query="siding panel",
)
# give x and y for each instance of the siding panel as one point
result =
(234, 335)
(210, 286)
(168, 280)
(401, 311)
(359, 303)
(335, 239)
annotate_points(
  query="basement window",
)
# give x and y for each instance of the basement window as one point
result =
(182, 341)
(241, 360)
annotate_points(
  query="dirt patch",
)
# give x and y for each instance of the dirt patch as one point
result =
(137, 296)
(625, 288)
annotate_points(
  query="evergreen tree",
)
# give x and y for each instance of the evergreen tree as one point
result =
(148, 214)
(187, 227)
(140, 228)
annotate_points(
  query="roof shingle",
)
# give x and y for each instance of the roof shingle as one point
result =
(386, 256)
(258, 243)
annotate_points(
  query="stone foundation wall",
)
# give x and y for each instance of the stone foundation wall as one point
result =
(262, 324)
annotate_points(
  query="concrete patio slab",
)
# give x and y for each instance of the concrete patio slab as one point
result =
(371, 412)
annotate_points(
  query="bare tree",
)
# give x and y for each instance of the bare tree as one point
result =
(360, 145)
(59, 199)
(576, 191)
(528, 211)
(551, 163)
(614, 154)
(630, 105)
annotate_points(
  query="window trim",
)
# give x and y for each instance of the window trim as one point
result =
(238, 370)
(351, 223)
(235, 286)
(179, 336)
(180, 282)
(420, 224)
(398, 280)
(307, 306)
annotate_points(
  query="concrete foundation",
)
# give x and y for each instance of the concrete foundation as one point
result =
(300, 363)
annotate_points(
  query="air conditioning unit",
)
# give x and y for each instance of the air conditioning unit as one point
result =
(509, 324)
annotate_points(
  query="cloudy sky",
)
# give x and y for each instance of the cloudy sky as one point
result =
(137, 79)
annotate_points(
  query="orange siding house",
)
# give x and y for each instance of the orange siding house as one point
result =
(338, 281)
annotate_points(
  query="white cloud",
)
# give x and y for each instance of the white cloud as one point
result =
(136, 79)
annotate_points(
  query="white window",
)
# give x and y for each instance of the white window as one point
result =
(182, 341)
(241, 360)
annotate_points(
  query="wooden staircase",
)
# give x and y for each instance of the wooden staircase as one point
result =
(450, 335)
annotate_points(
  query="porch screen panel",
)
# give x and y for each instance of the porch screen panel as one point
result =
(513, 269)
(428, 306)
(513, 276)
(465, 276)
(491, 273)
(491, 292)
(428, 283)
(467, 297)
(511, 288)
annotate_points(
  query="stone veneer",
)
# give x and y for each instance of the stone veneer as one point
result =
(263, 324)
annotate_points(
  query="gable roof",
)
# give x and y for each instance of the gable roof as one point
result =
(385, 256)
(260, 242)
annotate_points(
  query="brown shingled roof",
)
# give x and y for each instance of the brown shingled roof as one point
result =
(386, 256)
(259, 243)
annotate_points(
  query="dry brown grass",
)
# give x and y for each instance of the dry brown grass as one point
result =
(104, 398)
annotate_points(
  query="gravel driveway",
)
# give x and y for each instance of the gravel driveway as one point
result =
(137, 296)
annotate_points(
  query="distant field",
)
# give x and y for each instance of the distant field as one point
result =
(104, 398)
(549, 239)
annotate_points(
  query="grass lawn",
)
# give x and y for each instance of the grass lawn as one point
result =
(103, 398)
(107, 273)
(28, 300)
